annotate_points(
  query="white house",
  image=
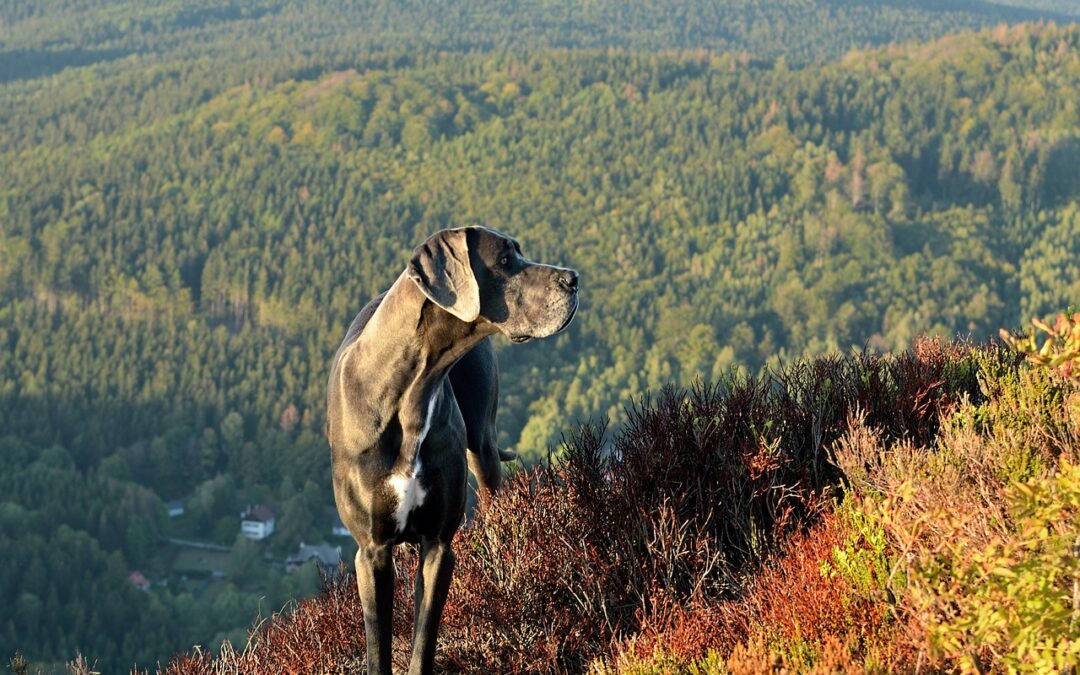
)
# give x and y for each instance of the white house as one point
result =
(257, 522)
(176, 508)
(139, 581)
(337, 528)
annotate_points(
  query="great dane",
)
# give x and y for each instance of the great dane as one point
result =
(411, 403)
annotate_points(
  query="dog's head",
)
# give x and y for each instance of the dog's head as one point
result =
(479, 274)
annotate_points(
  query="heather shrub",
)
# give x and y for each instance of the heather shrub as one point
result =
(978, 526)
(861, 558)
(961, 547)
(530, 589)
(797, 614)
(1026, 409)
(965, 471)
(1060, 350)
(792, 601)
(647, 538)
(825, 589)
(1011, 600)
(833, 656)
(1057, 361)
(662, 663)
(699, 526)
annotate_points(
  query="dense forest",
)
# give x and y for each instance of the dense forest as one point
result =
(196, 199)
(42, 37)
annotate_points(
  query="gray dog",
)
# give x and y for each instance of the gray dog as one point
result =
(411, 402)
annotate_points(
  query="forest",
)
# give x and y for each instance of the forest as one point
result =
(197, 198)
(43, 37)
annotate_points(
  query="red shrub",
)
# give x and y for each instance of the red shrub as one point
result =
(323, 634)
(792, 599)
(791, 602)
(652, 532)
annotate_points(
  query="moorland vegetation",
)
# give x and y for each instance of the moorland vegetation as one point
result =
(902, 513)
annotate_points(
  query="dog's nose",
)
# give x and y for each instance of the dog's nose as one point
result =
(568, 280)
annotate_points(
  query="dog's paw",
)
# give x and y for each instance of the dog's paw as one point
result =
(507, 455)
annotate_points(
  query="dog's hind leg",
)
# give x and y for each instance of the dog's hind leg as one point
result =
(433, 583)
(484, 466)
(375, 578)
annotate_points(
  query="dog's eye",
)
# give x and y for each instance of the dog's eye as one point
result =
(504, 261)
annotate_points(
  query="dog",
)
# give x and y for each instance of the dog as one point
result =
(411, 404)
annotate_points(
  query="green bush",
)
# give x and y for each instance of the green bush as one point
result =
(1010, 600)
(1060, 350)
(664, 664)
(863, 558)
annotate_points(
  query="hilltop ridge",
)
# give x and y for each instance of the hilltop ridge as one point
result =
(45, 36)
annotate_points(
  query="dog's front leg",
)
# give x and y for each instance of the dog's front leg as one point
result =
(375, 577)
(432, 583)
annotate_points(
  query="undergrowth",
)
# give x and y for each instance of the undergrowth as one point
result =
(843, 514)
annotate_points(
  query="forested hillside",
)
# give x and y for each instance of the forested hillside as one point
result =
(1066, 7)
(42, 37)
(189, 224)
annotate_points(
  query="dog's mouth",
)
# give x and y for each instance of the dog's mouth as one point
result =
(569, 318)
(520, 339)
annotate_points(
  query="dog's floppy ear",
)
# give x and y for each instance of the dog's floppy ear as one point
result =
(440, 267)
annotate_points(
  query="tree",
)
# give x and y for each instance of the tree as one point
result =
(245, 560)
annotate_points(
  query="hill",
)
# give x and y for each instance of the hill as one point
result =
(1064, 7)
(187, 232)
(716, 536)
(44, 37)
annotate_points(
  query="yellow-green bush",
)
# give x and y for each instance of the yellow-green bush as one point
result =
(662, 664)
(862, 560)
(979, 532)
(1010, 600)
(1059, 353)
(1060, 350)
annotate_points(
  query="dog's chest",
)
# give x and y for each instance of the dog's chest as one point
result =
(429, 487)
(409, 494)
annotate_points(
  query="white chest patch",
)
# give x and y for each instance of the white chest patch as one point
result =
(408, 489)
(410, 494)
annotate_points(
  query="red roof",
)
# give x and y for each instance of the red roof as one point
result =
(138, 580)
(260, 513)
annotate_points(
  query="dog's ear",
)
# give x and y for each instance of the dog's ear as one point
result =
(440, 267)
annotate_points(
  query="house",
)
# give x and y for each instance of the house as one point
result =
(326, 556)
(337, 528)
(257, 522)
(139, 581)
(176, 508)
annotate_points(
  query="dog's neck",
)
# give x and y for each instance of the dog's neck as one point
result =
(406, 314)
(444, 337)
(415, 343)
